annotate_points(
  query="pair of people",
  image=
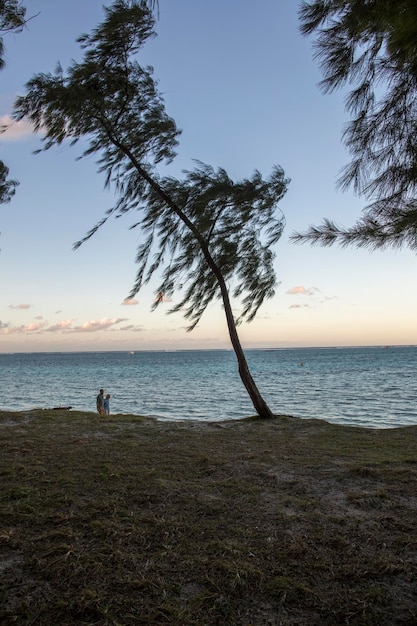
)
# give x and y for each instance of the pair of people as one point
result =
(103, 403)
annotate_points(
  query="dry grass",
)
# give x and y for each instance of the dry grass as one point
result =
(128, 521)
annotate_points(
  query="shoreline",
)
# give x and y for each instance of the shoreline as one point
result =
(366, 387)
(68, 411)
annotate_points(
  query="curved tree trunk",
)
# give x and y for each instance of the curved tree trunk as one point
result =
(258, 402)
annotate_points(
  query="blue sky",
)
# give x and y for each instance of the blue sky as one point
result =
(241, 82)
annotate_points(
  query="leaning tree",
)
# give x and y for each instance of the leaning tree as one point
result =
(210, 237)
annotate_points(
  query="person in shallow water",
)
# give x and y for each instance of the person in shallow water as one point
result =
(107, 405)
(100, 402)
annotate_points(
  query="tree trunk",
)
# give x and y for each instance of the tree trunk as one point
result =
(258, 402)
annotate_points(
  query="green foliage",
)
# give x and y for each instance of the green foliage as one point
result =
(236, 223)
(12, 18)
(7, 186)
(371, 45)
(108, 98)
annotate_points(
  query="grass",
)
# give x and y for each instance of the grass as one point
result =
(123, 520)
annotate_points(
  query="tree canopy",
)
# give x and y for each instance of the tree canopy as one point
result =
(12, 19)
(7, 185)
(207, 234)
(371, 46)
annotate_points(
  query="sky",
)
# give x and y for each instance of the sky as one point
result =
(242, 84)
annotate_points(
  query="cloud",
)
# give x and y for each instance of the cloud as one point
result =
(30, 328)
(302, 291)
(19, 306)
(7, 329)
(14, 130)
(317, 298)
(162, 297)
(129, 302)
(95, 325)
(132, 328)
(64, 325)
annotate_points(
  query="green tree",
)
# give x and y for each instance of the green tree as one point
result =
(209, 236)
(12, 19)
(7, 186)
(371, 45)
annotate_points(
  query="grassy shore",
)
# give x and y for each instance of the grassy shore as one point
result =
(124, 520)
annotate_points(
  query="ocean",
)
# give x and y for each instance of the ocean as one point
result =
(367, 386)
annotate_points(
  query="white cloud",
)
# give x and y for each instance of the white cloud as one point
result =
(95, 325)
(129, 302)
(162, 297)
(7, 329)
(19, 306)
(299, 290)
(64, 325)
(13, 130)
(35, 326)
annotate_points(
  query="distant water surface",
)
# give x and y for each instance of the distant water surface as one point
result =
(373, 387)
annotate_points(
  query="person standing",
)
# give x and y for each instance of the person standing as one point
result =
(107, 405)
(100, 402)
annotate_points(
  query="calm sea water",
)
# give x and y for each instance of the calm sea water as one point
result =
(373, 387)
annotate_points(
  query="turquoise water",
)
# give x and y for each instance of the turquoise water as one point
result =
(375, 387)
